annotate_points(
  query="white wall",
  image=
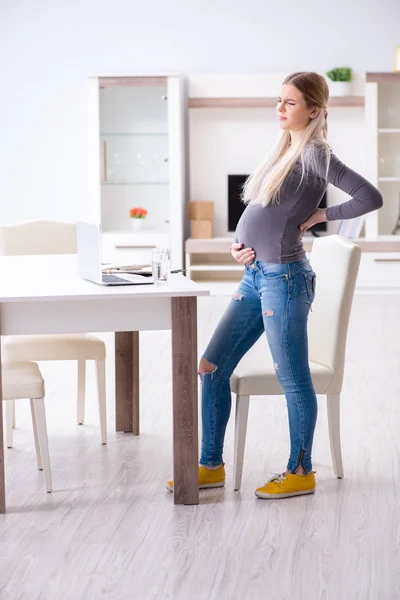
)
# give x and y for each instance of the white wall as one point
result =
(48, 47)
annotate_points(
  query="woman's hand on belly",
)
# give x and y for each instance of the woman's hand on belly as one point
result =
(244, 256)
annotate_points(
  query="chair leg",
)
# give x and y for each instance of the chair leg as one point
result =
(333, 404)
(81, 391)
(242, 413)
(40, 418)
(36, 436)
(9, 422)
(101, 390)
(14, 415)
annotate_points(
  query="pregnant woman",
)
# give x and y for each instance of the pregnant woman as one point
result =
(279, 284)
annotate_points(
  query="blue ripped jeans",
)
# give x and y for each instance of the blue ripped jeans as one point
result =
(275, 298)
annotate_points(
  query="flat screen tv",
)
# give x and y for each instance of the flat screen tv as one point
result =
(236, 206)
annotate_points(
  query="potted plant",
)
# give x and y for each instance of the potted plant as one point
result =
(340, 81)
(138, 216)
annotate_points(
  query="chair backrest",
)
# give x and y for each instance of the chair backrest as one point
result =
(38, 237)
(335, 261)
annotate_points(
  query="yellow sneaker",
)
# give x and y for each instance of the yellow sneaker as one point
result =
(286, 485)
(207, 479)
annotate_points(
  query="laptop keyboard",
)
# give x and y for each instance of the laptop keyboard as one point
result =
(108, 278)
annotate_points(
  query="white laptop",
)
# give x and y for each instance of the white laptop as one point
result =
(88, 239)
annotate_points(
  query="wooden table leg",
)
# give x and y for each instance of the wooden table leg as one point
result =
(127, 381)
(2, 474)
(184, 392)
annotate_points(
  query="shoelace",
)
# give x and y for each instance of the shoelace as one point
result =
(280, 478)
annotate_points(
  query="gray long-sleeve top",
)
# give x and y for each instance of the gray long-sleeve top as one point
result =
(273, 231)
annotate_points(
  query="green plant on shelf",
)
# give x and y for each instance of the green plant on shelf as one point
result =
(340, 74)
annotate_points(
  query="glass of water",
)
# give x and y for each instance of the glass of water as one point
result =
(161, 265)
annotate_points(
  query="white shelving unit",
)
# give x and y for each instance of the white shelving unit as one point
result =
(382, 114)
(209, 261)
(137, 159)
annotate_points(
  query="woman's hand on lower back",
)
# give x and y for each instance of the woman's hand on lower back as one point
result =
(318, 216)
(244, 256)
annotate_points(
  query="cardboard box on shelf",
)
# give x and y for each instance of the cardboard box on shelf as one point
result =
(201, 210)
(201, 230)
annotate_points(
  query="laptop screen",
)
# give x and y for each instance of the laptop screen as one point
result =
(88, 241)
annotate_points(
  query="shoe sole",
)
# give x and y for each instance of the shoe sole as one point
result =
(201, 487)
(289, 495)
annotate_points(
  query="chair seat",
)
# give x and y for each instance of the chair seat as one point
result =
(22, 380)
(53, 347)
(255, 374)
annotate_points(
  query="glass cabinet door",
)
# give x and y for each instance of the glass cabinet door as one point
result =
(134, 169)
(389, 156)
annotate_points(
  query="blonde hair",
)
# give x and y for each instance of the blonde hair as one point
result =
(264, 184)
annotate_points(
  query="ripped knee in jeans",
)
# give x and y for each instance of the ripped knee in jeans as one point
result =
(206, 367)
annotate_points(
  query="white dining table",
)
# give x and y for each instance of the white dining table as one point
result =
(45, 294)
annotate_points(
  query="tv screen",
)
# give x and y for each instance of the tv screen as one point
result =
(236, 206)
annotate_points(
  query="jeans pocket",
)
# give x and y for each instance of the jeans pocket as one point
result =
(271, 273)
(310, 281)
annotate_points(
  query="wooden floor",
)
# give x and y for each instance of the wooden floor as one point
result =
(110, 529)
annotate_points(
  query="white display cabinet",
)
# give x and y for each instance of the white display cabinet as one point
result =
(383, 151)
(137, 159)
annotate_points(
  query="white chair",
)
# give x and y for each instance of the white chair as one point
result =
(336, 261)
(24, 380)
(53, 237)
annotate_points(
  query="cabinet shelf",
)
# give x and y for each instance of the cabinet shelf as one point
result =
(134, 183)
(383, 77)
(221, 245)
(110, 134)
(216, 267)
(389, 130)
(388, 178)
(265, 102)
